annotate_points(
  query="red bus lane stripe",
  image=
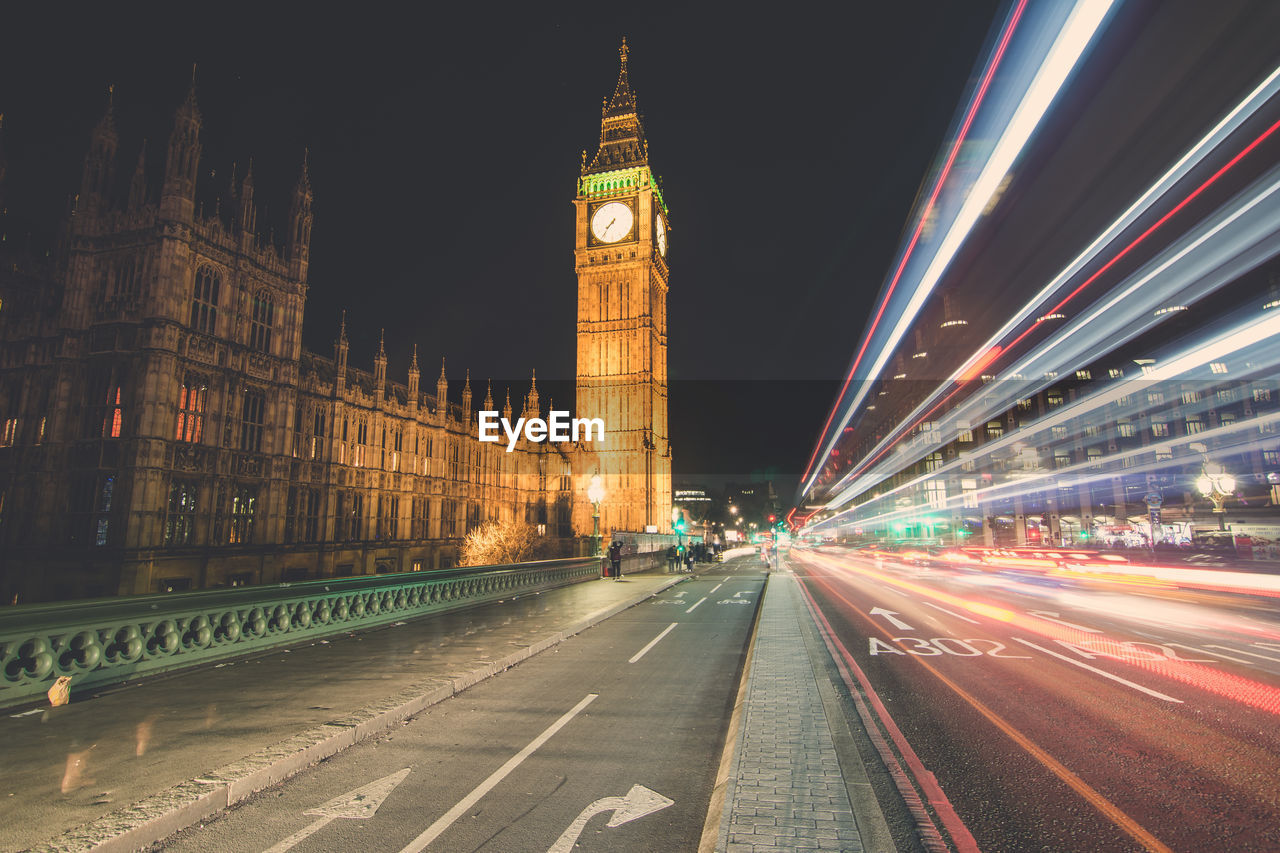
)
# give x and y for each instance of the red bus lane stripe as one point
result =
(928, 783)
(1111, 811)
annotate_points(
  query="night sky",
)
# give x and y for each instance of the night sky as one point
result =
(444, 151)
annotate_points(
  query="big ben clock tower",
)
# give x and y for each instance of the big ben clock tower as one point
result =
(620, 255)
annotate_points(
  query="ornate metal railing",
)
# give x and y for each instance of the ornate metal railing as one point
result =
(105, 641)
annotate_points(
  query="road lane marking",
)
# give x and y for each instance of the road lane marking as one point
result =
(1101, 672)
(949, 612)
(1052, 616)
(717, 586)
(846, 663)
(358, 804)
(652, 643)
(638, 802)
(695, 606)
(889, 616)
(431, 833)
(1215, 654)
(1241, 652)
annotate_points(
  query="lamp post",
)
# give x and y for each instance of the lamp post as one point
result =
(1216, 485)
(595, 494)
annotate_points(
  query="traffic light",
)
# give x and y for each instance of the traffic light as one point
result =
(772, 518)
(678, 524)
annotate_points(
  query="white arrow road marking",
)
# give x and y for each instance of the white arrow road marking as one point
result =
(695, 606)
(638, 802)
(682, 593)
(1052, 616)
(949, 612)
(1101, 672)
(652, 643)
(889, 614)
(360, 804)
(431, 833)
(742, 593)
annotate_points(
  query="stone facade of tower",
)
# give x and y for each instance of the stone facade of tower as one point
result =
(620, 256)
(163, 427)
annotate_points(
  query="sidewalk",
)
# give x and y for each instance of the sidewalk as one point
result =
(128, 765)
(787, 788)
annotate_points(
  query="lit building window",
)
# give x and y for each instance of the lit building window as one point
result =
(1116, 373)
(1054, 398)
(244, 504)
(1261, 395)
(1194, 425)
(1159, 430)
(1059, 433)
(1189, 397)
(114, 420)
(1083, 375)
(180, 518)
(10, 432)
(1124, 429)
(1218, 367)
(191, 403)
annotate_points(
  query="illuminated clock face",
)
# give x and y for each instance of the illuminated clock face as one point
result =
(612, 222)
(662, 234)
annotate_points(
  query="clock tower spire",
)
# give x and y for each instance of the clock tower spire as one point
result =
(620, 256)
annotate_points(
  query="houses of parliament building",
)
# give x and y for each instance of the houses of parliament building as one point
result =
(164, 428)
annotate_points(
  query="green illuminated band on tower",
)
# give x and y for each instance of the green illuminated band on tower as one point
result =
(619, 181)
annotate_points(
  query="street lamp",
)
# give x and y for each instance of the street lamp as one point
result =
(595, 494)
(1216, 485)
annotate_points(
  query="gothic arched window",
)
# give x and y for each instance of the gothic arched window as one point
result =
(191, 402)
(262, 317)
(204, 301)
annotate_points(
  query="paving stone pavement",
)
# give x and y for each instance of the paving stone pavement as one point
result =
(785, 789)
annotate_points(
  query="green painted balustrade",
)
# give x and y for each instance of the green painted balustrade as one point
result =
(110, 640)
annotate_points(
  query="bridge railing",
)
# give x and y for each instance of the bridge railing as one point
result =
(109, 640)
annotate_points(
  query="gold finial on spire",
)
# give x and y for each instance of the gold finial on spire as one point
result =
(624, 50)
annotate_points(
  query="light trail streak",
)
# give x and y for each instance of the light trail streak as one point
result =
(1092, 409)
(1236, 688)
(1074, 36)
(1198, 265)
(1229, 123)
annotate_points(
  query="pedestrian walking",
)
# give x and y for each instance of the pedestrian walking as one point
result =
(673, 556)
(615, 559)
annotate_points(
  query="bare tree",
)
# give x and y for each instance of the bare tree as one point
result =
(499, 542)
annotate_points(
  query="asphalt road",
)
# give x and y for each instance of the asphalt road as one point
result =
(1058, 715)
(623, 724)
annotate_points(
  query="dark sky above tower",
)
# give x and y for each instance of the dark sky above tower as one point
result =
(445, 148)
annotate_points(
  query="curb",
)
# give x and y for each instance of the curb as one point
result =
(710, 839)
(187, 803)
